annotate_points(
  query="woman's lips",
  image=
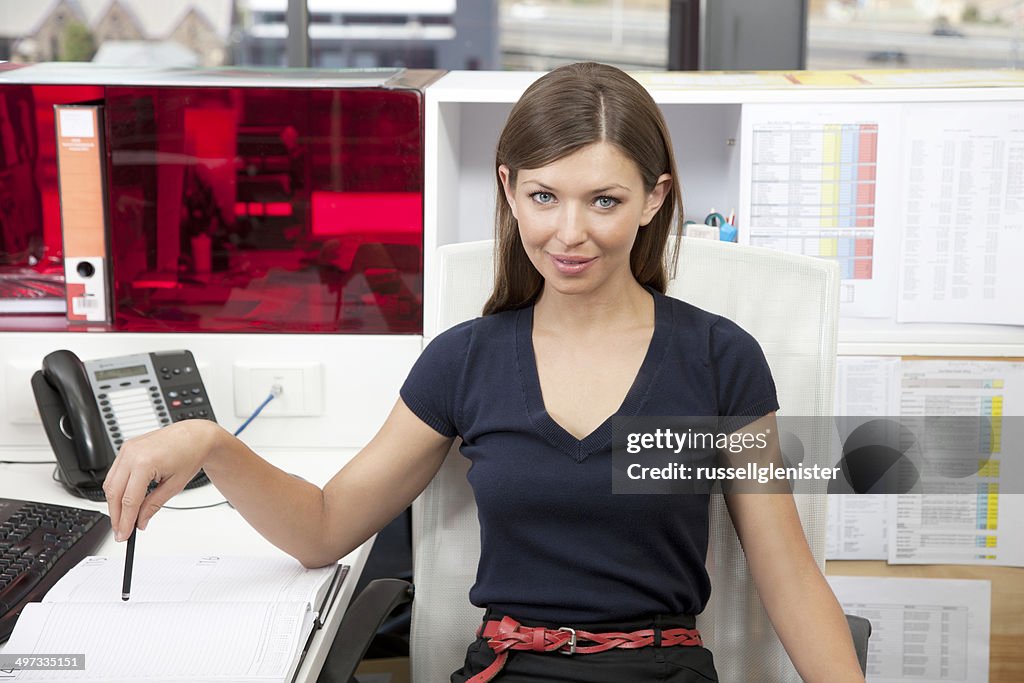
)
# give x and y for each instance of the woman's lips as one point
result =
(571, 265)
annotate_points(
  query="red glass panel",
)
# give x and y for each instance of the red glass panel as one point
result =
(215, 209)
(231, 209)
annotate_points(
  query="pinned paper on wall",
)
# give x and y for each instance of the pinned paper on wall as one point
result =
(858, 524)
(980, 526)
(822, 182)
(963, 213)
(922, 630)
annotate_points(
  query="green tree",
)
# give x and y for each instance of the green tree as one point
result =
(79, 44)
(971, 14)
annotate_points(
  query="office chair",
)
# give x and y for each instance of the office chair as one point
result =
(790, 304)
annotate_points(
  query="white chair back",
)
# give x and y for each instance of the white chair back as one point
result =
(790, 305)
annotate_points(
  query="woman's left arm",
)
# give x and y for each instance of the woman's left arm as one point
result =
(802, 608)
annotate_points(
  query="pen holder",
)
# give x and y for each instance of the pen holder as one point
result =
(726, 230)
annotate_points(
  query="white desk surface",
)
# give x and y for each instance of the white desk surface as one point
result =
(195, 533)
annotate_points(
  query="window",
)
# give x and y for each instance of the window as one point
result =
(845, 34)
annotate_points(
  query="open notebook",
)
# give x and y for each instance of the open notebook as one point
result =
(206, 619)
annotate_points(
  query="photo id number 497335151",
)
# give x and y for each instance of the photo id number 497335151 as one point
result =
(62, 662)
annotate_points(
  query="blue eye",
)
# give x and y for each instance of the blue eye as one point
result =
(542, 197)
(606, 202)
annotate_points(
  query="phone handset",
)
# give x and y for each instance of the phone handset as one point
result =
(81, 422)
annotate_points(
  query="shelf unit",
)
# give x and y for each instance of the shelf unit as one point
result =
(466, 110)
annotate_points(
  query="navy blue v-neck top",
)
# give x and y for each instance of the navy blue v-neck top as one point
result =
(556, 545)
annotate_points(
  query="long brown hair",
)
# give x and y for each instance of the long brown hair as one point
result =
(565, 110)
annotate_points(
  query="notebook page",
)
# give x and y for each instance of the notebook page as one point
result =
(165, 642)
(182, 579)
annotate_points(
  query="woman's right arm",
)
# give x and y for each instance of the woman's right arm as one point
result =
(316, 526)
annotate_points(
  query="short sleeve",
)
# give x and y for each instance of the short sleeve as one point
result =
(744, 384)
(430, 389)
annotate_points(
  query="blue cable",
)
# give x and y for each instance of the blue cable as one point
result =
(256, 412)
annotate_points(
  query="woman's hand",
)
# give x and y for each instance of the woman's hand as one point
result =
(170, 457)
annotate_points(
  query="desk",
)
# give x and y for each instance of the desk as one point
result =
(194, 533)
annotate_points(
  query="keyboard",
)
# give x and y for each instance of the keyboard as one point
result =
(39, 543)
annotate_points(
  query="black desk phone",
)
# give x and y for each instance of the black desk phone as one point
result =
(89, 409)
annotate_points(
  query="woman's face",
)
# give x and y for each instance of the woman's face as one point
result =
(579, 216)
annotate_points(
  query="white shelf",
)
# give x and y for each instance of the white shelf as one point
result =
(870, 336)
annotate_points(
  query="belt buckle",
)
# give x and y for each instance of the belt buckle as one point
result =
(571, 643)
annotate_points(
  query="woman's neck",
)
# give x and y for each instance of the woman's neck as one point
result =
(614, 308)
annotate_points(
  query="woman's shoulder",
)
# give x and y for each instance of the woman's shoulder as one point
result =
(714, 330)
(685, 313)
(460, 336)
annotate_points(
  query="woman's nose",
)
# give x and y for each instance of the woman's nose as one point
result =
(573, 229)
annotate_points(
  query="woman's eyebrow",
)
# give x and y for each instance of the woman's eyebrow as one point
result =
(613, 186)
(538, 184)
(546, 188)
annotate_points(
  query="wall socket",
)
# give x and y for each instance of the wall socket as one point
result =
(301, 383)
(21, 404)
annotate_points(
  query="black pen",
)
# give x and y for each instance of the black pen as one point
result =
(129, 558)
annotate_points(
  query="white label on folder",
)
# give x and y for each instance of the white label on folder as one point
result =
(77, 123)
(87, 294)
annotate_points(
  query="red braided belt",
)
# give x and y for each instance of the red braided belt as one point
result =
(509, 634)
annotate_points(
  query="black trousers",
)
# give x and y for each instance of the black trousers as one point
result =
(678, 664)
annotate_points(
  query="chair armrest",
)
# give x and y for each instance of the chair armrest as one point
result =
(860, 629)
(361, 621)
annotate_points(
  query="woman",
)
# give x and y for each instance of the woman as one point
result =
(577, 330)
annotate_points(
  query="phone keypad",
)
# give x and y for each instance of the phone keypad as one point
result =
(169, 391)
